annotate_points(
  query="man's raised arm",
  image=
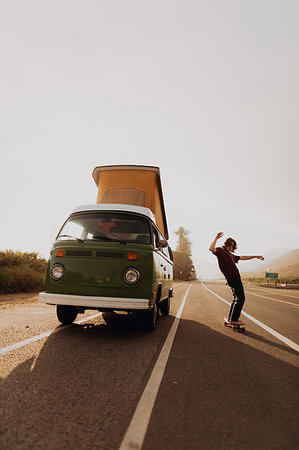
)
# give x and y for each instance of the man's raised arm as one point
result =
(212, 247)
(245, 258)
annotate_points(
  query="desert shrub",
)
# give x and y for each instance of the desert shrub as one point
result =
(290, 280)
(21, 272)
(271, 281)
(254, 280)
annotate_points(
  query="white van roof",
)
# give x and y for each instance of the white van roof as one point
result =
(115, 207)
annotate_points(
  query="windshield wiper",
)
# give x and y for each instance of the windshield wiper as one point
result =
(68, 235)
(107, 238)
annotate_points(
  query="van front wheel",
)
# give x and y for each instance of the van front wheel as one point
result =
(66, 314)
(150, 318)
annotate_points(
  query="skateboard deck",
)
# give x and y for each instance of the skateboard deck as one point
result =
(237, 328)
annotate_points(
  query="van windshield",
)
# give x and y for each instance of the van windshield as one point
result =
(106, 226)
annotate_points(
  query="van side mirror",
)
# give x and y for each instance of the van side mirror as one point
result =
(162, 243)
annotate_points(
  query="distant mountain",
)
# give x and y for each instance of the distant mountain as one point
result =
(286, 265)
(254, 265)
(277, 252)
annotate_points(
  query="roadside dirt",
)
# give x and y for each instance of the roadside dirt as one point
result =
(17, 298)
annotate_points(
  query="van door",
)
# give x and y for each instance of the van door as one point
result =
(158, 263)
(163, 265)
(167, 270)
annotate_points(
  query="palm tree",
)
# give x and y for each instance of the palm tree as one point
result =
(182, 263)
(184, 243)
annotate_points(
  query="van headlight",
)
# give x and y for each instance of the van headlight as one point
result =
(131, 276)
(57, 272)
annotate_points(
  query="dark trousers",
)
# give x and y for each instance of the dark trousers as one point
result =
(236, 286)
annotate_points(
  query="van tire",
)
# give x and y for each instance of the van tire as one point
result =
(150, 318)
(66, 314)
(165, 306)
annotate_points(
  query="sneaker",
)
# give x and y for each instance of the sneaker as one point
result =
(238, 322)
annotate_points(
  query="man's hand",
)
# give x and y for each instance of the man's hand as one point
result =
(212, 246)
(260, 257)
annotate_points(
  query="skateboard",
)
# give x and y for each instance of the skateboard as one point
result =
(237, 328)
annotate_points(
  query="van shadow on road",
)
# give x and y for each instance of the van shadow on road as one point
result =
(82, 390)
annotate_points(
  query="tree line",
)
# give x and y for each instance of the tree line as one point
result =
(183, 267)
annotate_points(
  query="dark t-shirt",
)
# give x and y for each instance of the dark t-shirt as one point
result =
(227, 263)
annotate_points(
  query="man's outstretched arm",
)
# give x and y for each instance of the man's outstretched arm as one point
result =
(212, 247)
(244, 258)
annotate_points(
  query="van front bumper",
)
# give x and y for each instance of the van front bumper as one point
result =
(87, 301)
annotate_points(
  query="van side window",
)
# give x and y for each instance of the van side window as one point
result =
(159, 237)
(165, 252)
(156, 237)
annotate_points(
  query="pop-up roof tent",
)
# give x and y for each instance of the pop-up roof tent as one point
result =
(132, 185)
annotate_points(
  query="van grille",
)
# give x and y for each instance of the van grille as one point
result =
(78, 253)
(110, 255)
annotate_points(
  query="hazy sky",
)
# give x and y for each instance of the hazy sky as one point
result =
(206, 90)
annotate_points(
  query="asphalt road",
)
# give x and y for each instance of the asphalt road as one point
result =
(78, 386)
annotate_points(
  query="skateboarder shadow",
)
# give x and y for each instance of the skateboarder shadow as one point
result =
(264, 340)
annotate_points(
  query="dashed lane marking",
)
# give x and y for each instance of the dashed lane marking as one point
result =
(279, 336)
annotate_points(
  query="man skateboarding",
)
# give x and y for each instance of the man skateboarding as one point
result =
(227, 264)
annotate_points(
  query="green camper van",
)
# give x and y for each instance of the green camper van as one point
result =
(114, 255)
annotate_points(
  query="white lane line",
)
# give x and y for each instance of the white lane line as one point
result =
(28, 341)
(135, 434)
(261, 324)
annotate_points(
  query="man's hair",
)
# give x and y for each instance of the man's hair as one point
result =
(230, 241)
